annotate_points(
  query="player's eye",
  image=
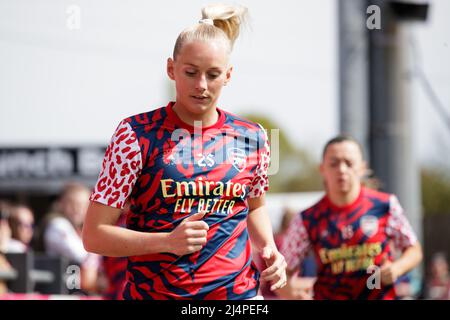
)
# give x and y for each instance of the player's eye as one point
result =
(213, 75)
(190, 73)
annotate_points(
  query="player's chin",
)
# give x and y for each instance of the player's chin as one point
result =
(200, 106)
(343, 188)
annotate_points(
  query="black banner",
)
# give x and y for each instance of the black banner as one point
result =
(233, 310)
(47, 169)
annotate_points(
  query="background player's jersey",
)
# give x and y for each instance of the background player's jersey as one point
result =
(347, 241)
(169, 171)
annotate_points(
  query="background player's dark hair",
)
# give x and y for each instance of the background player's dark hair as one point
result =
(342, 138)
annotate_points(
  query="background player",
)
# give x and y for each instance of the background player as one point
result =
(351, 229)
(195, 200)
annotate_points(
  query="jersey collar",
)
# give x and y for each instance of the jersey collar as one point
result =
(180, 123)
(346, 207)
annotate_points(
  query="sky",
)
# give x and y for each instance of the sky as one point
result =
(66, 86)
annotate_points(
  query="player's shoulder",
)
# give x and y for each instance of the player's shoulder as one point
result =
(239, 121)
(314, 211)
(145, 118)
(377, 195)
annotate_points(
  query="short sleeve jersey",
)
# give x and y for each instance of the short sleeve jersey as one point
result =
(169, 170)
(348, 242)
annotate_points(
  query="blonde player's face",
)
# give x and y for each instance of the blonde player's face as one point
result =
(199, 71)
(342, 167)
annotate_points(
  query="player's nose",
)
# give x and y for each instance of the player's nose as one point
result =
(201, 84)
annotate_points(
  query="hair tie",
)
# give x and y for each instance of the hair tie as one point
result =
(207, 21)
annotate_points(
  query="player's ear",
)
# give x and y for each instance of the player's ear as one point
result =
(364, 170)
(228, 75)
(170, 68)
(321, 168)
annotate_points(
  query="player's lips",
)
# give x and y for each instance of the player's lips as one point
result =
(342, 180)
(200, 98)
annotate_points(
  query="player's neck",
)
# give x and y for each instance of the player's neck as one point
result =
(209, 118)
(341, 199)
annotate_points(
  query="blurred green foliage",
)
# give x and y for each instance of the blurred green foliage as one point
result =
(435, 191)
(298, 171)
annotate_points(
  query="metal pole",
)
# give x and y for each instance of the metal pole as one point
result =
(353, 71)
(391, 134)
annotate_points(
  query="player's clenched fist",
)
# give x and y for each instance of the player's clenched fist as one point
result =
(276, 268)
(189, 236)
(389, 273)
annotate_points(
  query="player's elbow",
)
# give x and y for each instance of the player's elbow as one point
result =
(419, 252)
(89, 240)
(415, 255)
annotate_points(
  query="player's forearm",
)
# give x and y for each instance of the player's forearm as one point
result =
(113, 241)
(260, 228)
(410, 258)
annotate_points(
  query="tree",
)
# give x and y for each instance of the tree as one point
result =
(297, 169)
(435, 191)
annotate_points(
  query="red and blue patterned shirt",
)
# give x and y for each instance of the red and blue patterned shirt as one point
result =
(348, 242)
(169, 170)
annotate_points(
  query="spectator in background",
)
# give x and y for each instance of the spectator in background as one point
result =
(5, 236)
(438, 283)
(4, 266)
(5, 230)
(21, 222)
(61, 233)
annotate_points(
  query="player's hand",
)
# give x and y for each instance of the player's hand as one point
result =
(276, 268)
(302, 287)
(303, 295)
(189, 236)
(297, 288)
(388, 272)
